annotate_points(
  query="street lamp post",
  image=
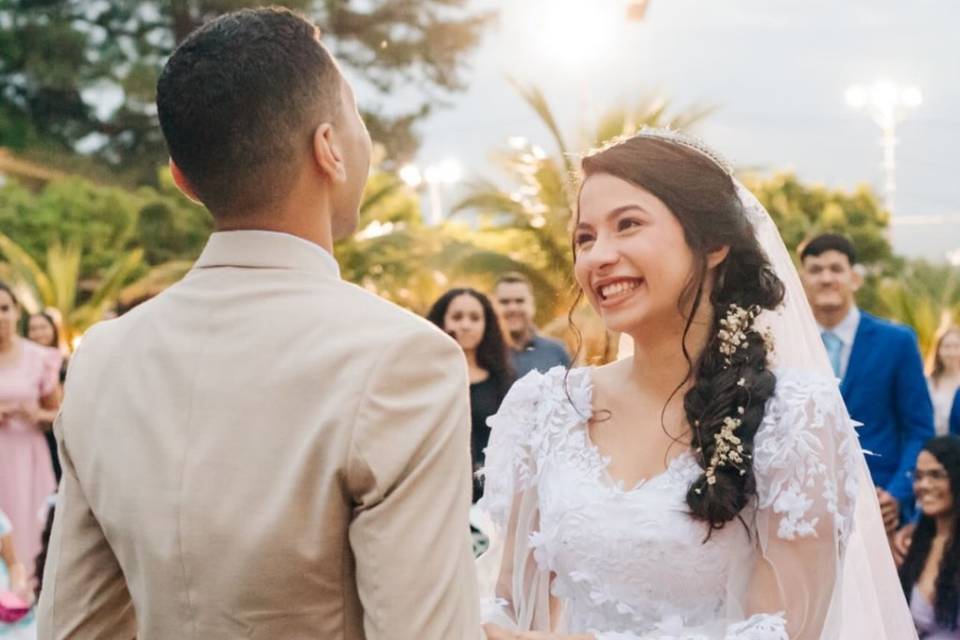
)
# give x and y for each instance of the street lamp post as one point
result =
(447, 172)
(887, 104)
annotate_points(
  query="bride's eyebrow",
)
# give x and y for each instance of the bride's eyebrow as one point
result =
(625, 208)
(613, 213)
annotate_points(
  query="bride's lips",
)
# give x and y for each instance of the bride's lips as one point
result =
(613, 291)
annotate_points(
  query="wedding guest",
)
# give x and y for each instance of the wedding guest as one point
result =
(930, 574)
(42, 329)
(879, 367)
(514, 296)
(943, 379)
(468, 316)
(29, 396)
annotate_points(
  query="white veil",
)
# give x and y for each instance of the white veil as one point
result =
(873, 603)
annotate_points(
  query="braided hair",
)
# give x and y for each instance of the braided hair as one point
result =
(725, 385)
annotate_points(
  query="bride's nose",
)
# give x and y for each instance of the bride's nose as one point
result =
(602, 255)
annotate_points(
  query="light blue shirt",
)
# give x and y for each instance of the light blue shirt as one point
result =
(846, 331)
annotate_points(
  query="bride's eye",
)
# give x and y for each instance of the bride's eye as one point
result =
(626, 223)
(581, 239)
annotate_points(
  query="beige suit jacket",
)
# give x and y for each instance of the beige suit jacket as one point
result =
(263, 451)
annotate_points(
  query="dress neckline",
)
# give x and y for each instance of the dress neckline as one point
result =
(680, 462)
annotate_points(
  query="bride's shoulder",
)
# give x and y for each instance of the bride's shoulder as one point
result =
(801, 394)
(806, 412)
(559, 384)
(558, 397)
(791, 382)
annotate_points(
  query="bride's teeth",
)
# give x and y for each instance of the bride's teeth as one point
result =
(620, 287)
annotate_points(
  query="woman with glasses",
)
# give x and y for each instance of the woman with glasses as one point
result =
(930, 573)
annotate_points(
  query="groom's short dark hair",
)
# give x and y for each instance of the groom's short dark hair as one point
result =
(238, 102)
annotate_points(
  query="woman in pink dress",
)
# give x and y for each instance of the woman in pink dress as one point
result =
(29, 395)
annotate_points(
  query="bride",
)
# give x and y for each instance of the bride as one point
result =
(709, 486)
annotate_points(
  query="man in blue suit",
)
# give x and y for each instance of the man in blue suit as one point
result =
(880, 369)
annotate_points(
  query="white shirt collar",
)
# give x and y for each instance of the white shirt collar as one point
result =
(846, 330)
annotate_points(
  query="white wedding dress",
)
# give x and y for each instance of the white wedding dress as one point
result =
(629, 563)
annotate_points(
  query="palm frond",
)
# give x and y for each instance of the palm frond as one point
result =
(63, 269)
(534, 97)
(107, 290)
(26, 270)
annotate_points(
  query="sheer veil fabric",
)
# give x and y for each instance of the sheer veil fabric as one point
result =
(852, 592)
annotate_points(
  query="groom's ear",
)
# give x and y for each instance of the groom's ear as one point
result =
(327, 153)
(182, 183)
(717, 256)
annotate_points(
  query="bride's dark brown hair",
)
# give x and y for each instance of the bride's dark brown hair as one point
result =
(703, 198)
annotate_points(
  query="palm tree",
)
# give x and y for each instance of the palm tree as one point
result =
(538, 210)
(57, 283)
(924, 296)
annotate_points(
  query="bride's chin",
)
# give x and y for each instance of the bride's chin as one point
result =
(628, 323)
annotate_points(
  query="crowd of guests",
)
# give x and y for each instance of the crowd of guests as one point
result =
(910, 418)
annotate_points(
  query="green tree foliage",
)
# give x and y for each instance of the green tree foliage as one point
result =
(802, 211)
(83, 247)
(99, 221)
(62, 60)
(103, 222)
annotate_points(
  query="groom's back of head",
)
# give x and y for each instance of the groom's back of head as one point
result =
(238, 101)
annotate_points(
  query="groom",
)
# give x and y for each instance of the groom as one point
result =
(263, 451)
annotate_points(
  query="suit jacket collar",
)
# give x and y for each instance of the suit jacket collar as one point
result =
(861, 345)
(258, 249)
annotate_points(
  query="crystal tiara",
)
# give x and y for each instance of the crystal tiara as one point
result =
(678, 137)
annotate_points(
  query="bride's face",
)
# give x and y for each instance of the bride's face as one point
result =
(632, 260)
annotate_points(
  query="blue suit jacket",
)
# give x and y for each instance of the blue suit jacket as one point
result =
(885, 389)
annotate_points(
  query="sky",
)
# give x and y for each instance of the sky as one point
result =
(775, 70)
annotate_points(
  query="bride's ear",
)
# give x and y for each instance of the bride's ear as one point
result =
(717, 256)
